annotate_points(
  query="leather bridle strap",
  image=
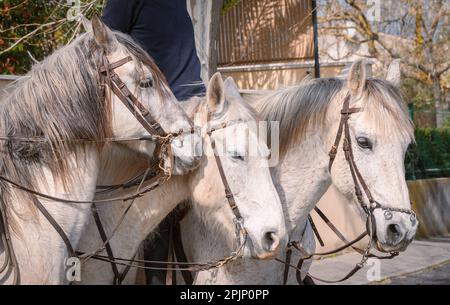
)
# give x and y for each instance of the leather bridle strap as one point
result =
(346, 242)
(335, 229)
(130, 101)
(345, 112)
(56, 226)
(106, 241)
(287, 265)
(180, 255)
(106, 244)
(316, 232)
(228, 193)
(176, 249)
(115, 65)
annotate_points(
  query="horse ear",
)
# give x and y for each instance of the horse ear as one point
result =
(215, 93)
(87, 25)
(357, 77)
(393, 75)
(103, 35)
(231, 88)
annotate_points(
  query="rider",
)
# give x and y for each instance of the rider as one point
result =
(165, 31)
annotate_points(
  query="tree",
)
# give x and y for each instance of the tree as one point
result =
(416, 31)
(31, 30)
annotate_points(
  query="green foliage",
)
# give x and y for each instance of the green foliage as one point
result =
(418, 93)
(229, 4)
(36, 27)
(430, 156)
(447, 123)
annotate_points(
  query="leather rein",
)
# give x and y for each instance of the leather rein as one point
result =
(160, 174)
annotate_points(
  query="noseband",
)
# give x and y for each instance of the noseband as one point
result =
(361, 190)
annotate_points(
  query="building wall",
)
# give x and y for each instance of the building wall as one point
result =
(255, 31)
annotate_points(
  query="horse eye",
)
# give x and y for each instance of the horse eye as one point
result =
(364, 142)
(237, 156)
(146, 83)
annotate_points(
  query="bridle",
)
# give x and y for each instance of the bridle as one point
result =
(160, 174)
(361, 190)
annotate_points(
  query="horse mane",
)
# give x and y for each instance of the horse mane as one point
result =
(59, 100)
(306, 107)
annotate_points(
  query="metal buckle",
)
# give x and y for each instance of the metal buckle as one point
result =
(239, 224)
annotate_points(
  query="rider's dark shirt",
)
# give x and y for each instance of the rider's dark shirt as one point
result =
(164, 29)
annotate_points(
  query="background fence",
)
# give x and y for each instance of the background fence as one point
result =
(258, 31)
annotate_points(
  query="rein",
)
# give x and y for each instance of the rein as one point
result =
(359, 183)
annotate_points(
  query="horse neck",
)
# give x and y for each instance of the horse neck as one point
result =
(40, 251)
(302, 177)
(141, 219)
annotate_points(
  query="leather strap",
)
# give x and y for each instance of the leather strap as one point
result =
(286, 266)
(115, 65)
(56, 226)
(106, 243)
(228, 193)
(316, 232)
(133, 104)
(298, 273)
(345, 112)
(180, 254)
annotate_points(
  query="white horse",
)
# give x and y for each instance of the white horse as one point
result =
(59, 101)
(248, 177)
(309, 117)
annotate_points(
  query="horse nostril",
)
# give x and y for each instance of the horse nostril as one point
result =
(394, 234)
(271, 242)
